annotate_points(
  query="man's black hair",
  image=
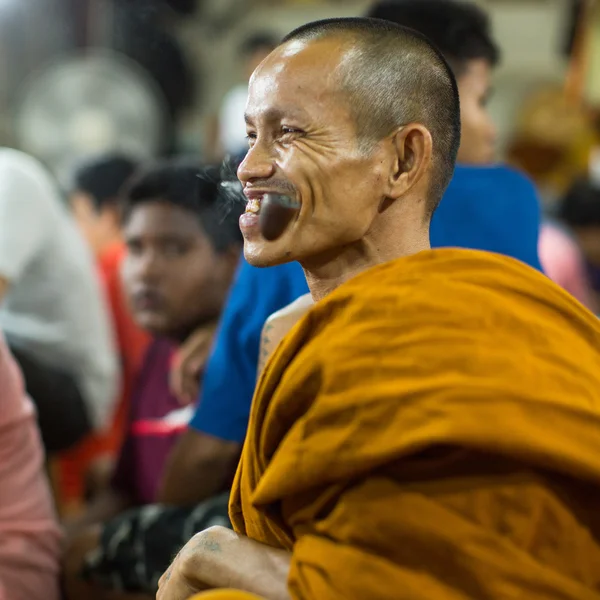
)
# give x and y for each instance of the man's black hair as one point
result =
(194, 188)
(261, 40)
(102, 178)
(460, 30)
(580, 207)
(394, 76)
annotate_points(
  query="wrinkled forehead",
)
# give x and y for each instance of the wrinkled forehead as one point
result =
(299, 79)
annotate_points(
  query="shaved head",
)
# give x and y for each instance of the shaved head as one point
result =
(393, 76)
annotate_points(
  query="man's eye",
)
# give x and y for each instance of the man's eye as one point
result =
(289, 130)
(174, 249)
(134, 247)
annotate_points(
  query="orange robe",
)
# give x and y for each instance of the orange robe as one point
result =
(431, 431)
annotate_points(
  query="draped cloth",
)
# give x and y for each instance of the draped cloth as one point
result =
(431, 430)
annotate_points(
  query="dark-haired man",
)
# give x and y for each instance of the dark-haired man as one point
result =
(182, 252)
(410, 437)
(485, 207)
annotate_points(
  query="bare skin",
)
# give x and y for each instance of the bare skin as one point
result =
(199, 466)
(278, 325)
(219, 557)
(189, 362)
(478, 131)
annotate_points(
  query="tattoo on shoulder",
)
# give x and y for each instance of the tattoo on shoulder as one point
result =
(265, 348)
(208, 544)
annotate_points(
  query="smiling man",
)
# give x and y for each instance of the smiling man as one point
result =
(429, 430)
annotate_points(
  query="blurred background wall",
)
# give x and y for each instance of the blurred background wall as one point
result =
(83, 106)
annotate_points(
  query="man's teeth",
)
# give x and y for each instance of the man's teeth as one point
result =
(253, 206)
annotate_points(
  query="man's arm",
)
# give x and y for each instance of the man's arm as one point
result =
(221, 558)
(200, 466)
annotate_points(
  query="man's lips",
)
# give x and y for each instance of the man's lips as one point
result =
(147, 300)
(258, 193)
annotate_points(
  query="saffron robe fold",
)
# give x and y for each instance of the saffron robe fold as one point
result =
(431, 430)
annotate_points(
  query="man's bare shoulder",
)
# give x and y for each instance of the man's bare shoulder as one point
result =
(292, 312)
(279, 324)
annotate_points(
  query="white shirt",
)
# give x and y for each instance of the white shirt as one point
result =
(55, 308)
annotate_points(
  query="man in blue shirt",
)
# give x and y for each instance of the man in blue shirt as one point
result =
(486, 208)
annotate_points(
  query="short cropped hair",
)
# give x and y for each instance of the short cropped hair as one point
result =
(460, 30)
(103, 177)
(394, 76)
(580, 207)
(196, 189)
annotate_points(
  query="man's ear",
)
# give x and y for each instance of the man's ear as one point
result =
(412, 148)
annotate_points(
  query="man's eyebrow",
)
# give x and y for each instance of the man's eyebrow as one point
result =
(273, 115)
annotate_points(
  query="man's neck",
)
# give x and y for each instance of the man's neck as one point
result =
(325, 274)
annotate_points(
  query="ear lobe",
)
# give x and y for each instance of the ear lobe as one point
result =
(414, 149)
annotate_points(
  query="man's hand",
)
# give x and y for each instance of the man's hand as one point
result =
(189, 363)
(183, 578)
(220, 558)
(174, 584)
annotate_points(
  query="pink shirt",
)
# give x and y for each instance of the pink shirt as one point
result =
(562, 261)
(30, 538)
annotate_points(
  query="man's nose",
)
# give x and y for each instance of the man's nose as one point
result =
(258, 164)
(148, 267)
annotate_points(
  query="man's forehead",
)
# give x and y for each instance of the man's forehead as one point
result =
(161, 218)
(303, 57)
(293, 71)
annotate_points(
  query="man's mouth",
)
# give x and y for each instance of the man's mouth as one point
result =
(253, 205)
(148, 300)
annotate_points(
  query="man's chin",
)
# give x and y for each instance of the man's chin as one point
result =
(266, 254)
(154, 324)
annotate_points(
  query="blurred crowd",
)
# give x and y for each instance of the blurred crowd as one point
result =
(131, 324)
